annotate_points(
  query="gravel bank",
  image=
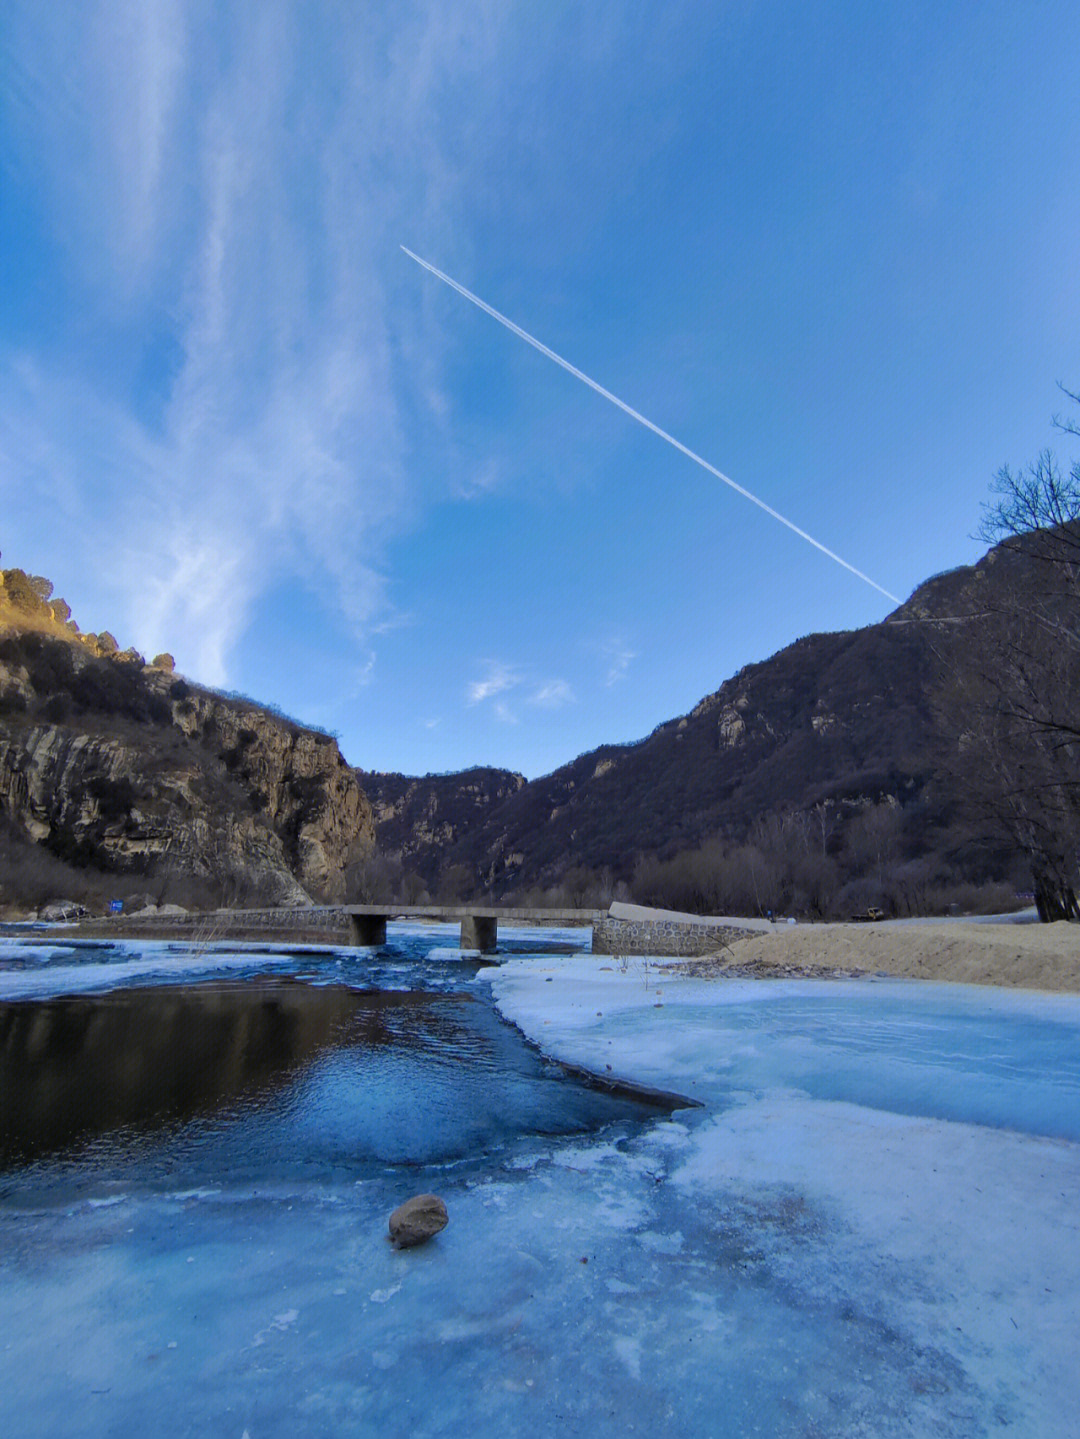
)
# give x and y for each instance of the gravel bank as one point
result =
(1032, 956)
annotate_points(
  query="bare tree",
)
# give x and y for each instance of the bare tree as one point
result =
(456, 883)
(372, 877)
(1011, 692)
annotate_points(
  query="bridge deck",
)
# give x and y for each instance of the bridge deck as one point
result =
(451, 912)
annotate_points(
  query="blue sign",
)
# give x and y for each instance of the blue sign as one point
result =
(116, 906)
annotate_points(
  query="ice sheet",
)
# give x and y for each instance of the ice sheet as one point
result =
(65, 970)
(936, 1203)
(869, 1228)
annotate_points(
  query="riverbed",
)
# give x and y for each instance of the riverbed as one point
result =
(866, 1223)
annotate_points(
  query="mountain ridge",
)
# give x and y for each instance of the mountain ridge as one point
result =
(840, 719)
(828, 749)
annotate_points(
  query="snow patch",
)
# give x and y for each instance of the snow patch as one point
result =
(381, 1296)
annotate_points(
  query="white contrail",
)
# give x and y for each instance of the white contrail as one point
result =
(690, 455)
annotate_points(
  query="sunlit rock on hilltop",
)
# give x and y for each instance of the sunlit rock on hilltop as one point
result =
(112, 766)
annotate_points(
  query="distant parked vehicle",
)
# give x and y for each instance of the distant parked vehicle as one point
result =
(868, 916)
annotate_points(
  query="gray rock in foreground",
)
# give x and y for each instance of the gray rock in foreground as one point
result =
(415, 1221)
(63, 909)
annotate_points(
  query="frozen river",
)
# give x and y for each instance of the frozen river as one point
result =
(869, 1226)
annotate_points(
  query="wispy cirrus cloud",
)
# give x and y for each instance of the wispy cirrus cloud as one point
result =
(227, 189)
(617, 657)
(553, 694)
(498, 678)
(479, 481)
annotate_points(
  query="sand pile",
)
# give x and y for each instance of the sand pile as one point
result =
(1019, 956)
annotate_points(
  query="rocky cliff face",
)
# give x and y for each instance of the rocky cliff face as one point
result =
(843, 719)
(419, 820)
(110, 763)
(296, 779)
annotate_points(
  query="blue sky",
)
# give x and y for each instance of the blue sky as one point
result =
(831, 247)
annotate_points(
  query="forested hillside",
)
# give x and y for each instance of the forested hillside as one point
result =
(813, 781)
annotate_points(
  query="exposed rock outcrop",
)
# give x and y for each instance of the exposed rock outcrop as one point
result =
(417, 820)
(122, 767)
(297, 779)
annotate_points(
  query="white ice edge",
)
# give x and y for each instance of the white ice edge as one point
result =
(57, 980)
(984, 1222)
(180, 960)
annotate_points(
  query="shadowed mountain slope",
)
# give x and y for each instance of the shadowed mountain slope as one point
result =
(833, 722)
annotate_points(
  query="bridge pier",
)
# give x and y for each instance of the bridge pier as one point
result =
(367, 929)
(479, 932)
(479, 922)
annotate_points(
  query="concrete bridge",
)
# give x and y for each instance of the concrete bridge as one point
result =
(479, 924)
(620, 930)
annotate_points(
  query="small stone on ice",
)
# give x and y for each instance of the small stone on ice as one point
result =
(415, 1221)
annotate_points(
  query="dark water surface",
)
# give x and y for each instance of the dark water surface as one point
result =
(273, 1078)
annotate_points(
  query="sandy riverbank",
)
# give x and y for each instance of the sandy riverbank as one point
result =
(1029, 956)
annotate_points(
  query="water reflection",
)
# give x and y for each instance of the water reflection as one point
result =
(138, 1059)
(274, 1077)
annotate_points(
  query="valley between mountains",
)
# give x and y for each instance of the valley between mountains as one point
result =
(815, 782)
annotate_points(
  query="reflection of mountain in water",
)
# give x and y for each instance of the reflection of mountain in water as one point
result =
(74, 1068)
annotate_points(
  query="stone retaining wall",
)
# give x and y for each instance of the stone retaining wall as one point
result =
(316, 924)
(667, 937)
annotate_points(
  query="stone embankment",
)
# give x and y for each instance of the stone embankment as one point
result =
(301, 924)
(633, 929)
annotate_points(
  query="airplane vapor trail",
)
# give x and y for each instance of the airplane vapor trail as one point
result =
(634, 415)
